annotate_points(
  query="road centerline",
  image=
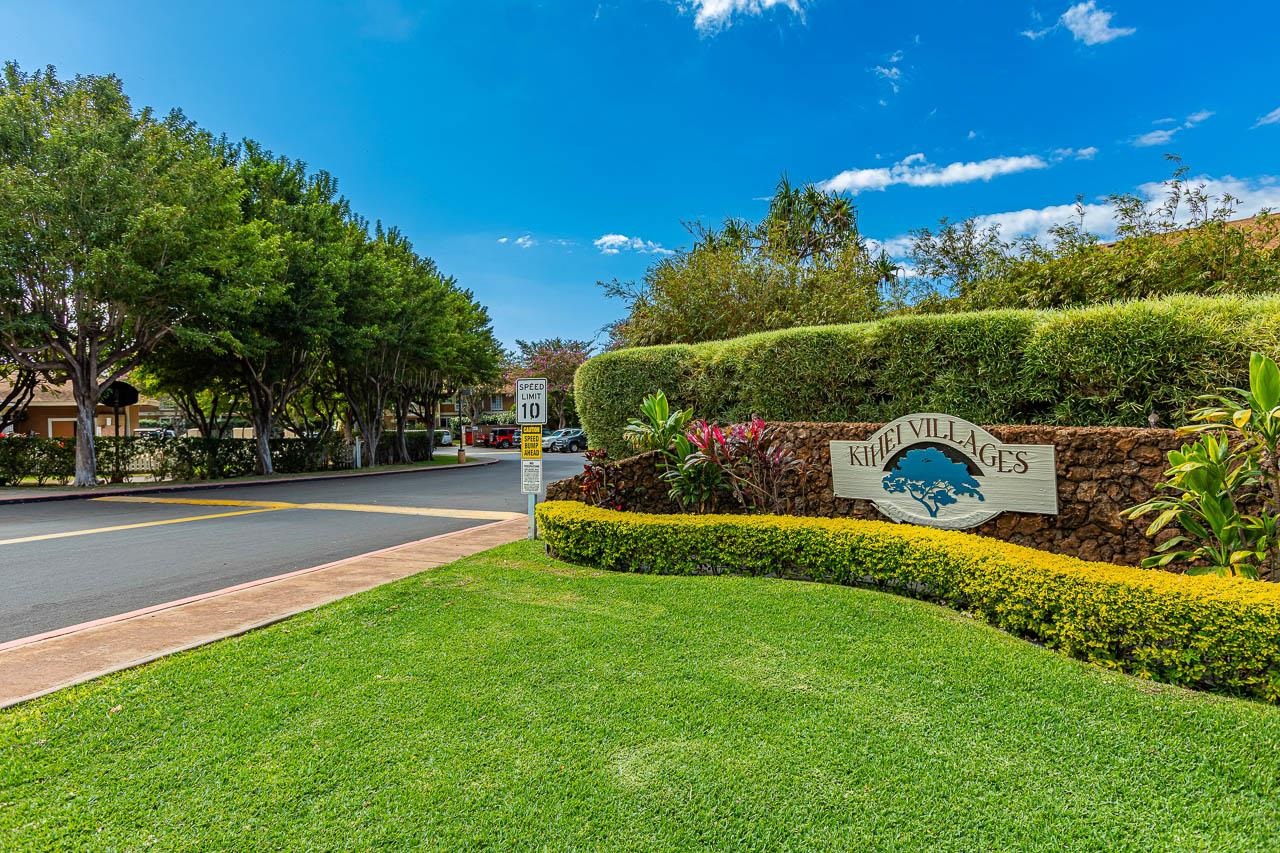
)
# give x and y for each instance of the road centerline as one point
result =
(387, 509)
(41, 537)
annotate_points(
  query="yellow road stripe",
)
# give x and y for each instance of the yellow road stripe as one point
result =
(438, 512)
(434, 512)
(65, 534)
(147, 499)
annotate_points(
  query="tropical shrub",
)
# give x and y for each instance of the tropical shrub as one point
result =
(746, 461)
(597, 488)
(1219, 633)
(658, 427)
(1234, 463)
(697, 482)
(1127, 364)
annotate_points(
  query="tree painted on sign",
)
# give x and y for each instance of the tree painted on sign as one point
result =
(932, 479)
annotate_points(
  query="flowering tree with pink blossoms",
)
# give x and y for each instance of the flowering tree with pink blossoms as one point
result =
(555, 360)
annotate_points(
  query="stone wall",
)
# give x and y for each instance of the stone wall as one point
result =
(1101, 471)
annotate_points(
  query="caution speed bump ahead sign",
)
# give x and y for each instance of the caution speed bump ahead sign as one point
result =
(531, 442)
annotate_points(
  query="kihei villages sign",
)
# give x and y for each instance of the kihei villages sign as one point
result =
(944, 472)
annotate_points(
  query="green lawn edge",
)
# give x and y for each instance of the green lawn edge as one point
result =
(511, 700)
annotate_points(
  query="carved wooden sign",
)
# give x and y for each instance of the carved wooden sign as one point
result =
(944, 472)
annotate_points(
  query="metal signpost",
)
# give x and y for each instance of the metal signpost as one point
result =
(531, 414)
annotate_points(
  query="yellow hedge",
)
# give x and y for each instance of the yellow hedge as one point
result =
(1204, 631)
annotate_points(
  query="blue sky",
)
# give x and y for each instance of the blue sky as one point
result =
(533, 148)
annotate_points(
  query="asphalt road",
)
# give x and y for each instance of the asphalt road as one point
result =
(65, 579)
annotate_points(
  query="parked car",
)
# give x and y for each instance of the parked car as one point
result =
(153, 432)
(503, 437)
(550, 438)
(444, 438)
(570, 441)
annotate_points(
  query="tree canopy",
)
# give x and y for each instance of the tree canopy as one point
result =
(804, 263)
(229, 278)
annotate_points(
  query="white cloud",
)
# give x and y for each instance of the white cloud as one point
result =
(1087, 23)
(524, 241)
(894, 247)
(1162, 135)
(1092, 25)
(1076, 153)
(1252, 194)
(891, 73)
(712, 16)
(973, 134)
(612, 244)
(916, 171)
(503, 239)
(1155, 137)
(1272, 117)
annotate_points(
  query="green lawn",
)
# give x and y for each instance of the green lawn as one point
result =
(509, 701)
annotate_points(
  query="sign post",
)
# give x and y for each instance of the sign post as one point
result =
(531, 414)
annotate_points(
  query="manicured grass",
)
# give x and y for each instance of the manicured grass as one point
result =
(512, 701)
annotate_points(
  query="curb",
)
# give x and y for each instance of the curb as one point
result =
(230, 484)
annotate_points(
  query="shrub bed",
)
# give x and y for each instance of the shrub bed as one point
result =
(1207, 632)
(53, 460)
(1108, 365)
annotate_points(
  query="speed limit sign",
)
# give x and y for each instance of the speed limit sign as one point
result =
(531, 401)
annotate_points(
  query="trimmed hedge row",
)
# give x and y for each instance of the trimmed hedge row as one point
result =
(1197, 631)
(54, 459)
(1107, 365)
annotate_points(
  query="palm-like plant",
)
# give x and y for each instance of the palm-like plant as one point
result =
(659, 427)
(1205, 479)
(1235, 460)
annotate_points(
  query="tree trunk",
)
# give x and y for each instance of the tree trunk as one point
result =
(433, 404)
(372, 432)
(401, 407)
(86, 396)
(262, 440)
(261, 408)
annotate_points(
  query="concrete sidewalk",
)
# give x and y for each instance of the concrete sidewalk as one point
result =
(34, 666)
(41, 494)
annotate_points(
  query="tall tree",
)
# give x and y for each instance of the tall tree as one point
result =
(804, 263)
(112, 222)
(390, 322)
(556, 360)
(281, 338)
(464, 352)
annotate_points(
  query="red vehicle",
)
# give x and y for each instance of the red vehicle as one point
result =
(503, 437)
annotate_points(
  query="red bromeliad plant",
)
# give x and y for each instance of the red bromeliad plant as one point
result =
(749, 462)
(597, 490)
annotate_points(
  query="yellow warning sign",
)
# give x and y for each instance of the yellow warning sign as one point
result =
(531, 442)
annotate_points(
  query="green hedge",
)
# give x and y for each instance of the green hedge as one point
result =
(1198, 631)
(1104, 365)
(53, 460)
